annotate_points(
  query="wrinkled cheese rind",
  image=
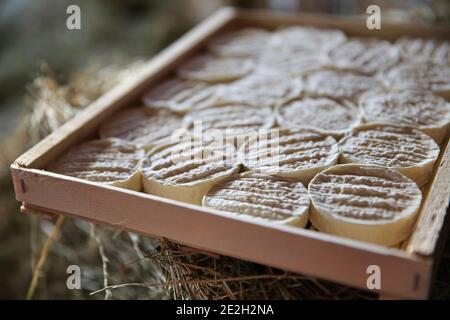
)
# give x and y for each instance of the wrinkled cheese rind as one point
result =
(264, 87)
(338, 84)
(248, 42)
(324, 114)
(364, 202)
(261, 196)
(419, 49)
(407, 150)
(365, 56)
(419, 109)
(144, 126)
(111, 161)
(300, 38)
(418, 76)
(231, 119)
(298, 154)
(181, 95)
(215, 69)
(185, 171)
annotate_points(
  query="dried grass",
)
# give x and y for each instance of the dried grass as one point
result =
(131, 266)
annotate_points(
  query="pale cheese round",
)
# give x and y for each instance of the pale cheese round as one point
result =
(110, 161)
(298, 154)
(338, 84)
(420, 49)
(181, 95)
(364, 202)
(367, 56)
(264, 87)
(427, 76)
(419, 109)
(187, 170)
(248, 42)
(229, 121)
(257, 196)
(404, 149)
(215, 69)
(329, 116)
(295, 64)
(301, 38)
(145, 126)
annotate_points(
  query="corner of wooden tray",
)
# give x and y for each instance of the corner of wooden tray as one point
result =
(430, 224)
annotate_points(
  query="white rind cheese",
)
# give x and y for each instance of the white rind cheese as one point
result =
(299, 154)
(110, 161)
(419, 109)
(215, 69)
(247, 42)
(338, 84)
(187, 170)
(368, 203)
(257, 196)
(299, 38)
(364, 56)
(181, 95)
(404, 149)
(264, 87)
(323, 114)
(144, 126)
(229, 121)
(418, 76)
(419, 50)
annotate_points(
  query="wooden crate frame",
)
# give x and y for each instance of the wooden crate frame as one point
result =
(405, 273)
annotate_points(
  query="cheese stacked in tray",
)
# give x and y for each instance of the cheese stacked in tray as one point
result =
(299, 126)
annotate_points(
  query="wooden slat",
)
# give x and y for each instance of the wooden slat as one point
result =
(430, 222)
(303, 251)
(353, 26)
(124, 94)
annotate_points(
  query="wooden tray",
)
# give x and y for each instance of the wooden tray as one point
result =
(405, 273)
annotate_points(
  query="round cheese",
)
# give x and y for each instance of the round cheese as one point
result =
(257, 196)
(419, 76)
(214, 69)
(295, 64)
(419, 109)
(229, 121)
(365, 56)
(323, 114)
(264, 87)
(419, 49)
(181, 95)
(338, 84)
(110, 161)
(248, 42)
(144, 126)
(368, 203)
(300, 38)
(404, 149)
(299, 154)
(187, 170)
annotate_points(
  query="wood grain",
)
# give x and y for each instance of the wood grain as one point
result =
(434, 208)
(298, 250)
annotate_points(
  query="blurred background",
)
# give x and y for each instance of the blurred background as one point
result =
(48, 73)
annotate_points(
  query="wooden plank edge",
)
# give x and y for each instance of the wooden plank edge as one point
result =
(301, 251)
(430, 223)
(124, 93)
(390, 29)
